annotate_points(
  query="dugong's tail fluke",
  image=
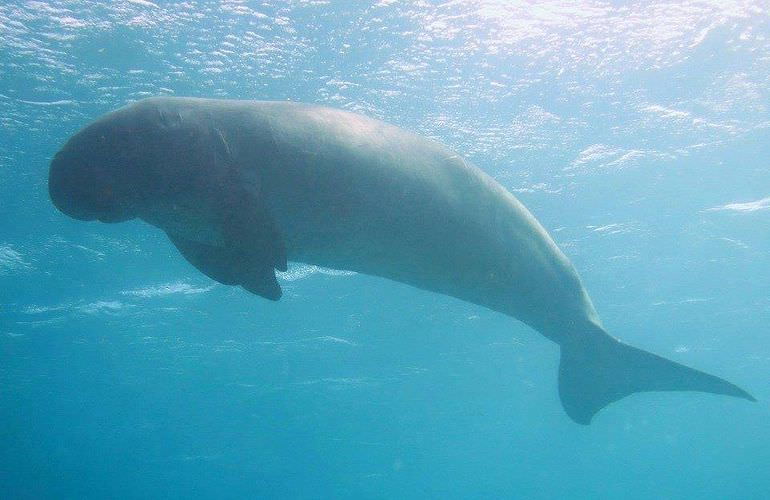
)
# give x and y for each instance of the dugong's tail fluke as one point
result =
(597, 370)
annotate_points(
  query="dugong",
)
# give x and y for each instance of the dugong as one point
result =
(242, 187)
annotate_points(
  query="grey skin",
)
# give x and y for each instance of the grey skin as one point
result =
(241, 187)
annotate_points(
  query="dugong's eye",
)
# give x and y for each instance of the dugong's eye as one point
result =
(107, 193)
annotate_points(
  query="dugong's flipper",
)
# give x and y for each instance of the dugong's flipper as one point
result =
(597, 369)
(230, 267)
(251, 252)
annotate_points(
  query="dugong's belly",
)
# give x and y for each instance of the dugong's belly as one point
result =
(358, 194)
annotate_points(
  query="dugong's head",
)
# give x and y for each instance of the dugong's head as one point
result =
(136, 161)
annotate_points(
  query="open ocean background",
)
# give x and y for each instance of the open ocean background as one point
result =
(638, 132)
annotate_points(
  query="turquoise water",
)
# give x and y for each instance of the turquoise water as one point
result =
(638, 133)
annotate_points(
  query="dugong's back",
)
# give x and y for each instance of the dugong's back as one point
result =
(355, 193)
(242, 186)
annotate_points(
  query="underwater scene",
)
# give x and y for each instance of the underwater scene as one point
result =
(397, 249)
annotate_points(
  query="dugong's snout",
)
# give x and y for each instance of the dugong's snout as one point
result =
(82, 191)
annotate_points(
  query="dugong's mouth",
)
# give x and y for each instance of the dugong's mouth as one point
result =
(83, 192)
(112, 218)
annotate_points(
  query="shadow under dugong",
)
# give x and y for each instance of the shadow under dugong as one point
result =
(240, 187)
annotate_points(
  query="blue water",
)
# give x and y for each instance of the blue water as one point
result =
(637, 132)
